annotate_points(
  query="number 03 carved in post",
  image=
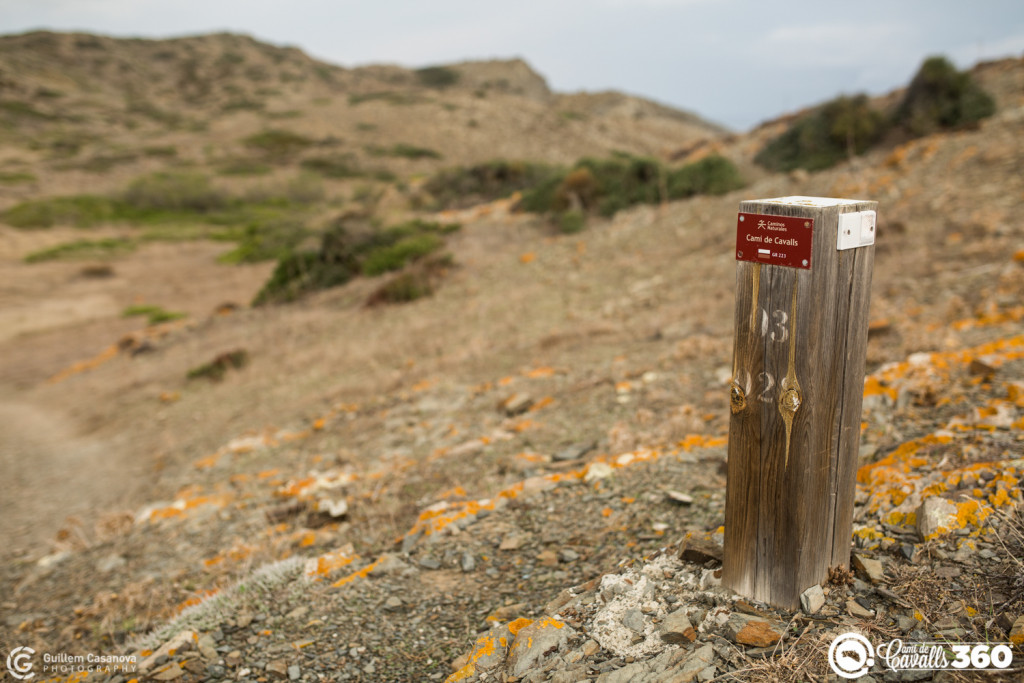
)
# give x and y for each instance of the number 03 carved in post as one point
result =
(803, 282)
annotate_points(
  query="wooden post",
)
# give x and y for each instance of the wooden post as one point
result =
(802, 292)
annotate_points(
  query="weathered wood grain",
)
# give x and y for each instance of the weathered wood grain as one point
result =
(794, 432)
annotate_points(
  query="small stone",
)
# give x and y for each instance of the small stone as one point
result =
(460, 661)
(179, 643)
(908, 550)
(172, 672)
(507, 612)
(906, 623)
(536, 642)
(693, 667)
(700, 551)
(244, 619)
(194, 666)
(872, 568)
(512, 541)
(297, 613)
(110, 563)
(678, 497)
(855, 609)
(393, 603)
(590, 647)
(1017, 631)
(548, 558)
(233, 658)
(754, 631)
(467, 562)
(516, 404)
(294, 672)
(409, 542)
(568, 555)
(429, 562)
(935, 516)
(758, 634)
(207, 647)
(574, 452)
(676, 628)
(597, 470)
(979, 369)
(633, 619)
(278, 667)
(812, 599)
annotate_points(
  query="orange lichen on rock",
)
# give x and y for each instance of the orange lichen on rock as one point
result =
(361, 574)
(323, 566)
(199, 597)
(88, 364)
(542, 403)
(515, 626)
(182, 505)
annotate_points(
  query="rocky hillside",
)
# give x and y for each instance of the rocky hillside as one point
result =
(518, 478)
(82, 111)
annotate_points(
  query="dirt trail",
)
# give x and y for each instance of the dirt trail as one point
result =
(52, 474)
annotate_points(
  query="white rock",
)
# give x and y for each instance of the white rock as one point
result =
(597, 470)
(935, 515)
(812, 599)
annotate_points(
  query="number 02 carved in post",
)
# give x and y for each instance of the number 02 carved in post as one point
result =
(803, 282)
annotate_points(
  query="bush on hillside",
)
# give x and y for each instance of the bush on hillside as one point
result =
(712, 175)
(467, 185)
(838, 130)
(940, 96)
(437, 76)
(343, 254)
(278, 145)
(606, 186)
(81, 211)
(165, 191)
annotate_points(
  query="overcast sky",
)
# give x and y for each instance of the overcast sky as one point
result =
(737, 62)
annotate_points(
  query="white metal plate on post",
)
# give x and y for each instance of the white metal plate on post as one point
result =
(856, 229)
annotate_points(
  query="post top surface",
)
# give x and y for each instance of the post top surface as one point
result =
(815, 202)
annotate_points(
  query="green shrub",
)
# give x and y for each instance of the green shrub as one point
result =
(388, 96)
(572, 221)
(393, 257)
(340, 166)
(79, 211)
(838, 130)
(939, 97)
(467, 185)
(437, 76)
(277, 144)
(291, 278)
(218, 367)
(712, 175)
(183, 192)
(265, 240)
(82, 249)
(401, 289)
(342, 256)
(404, 150)
(14, 177)
(154, 314)
(608, 185)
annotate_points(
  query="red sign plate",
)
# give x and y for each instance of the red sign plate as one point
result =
(774, 240)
